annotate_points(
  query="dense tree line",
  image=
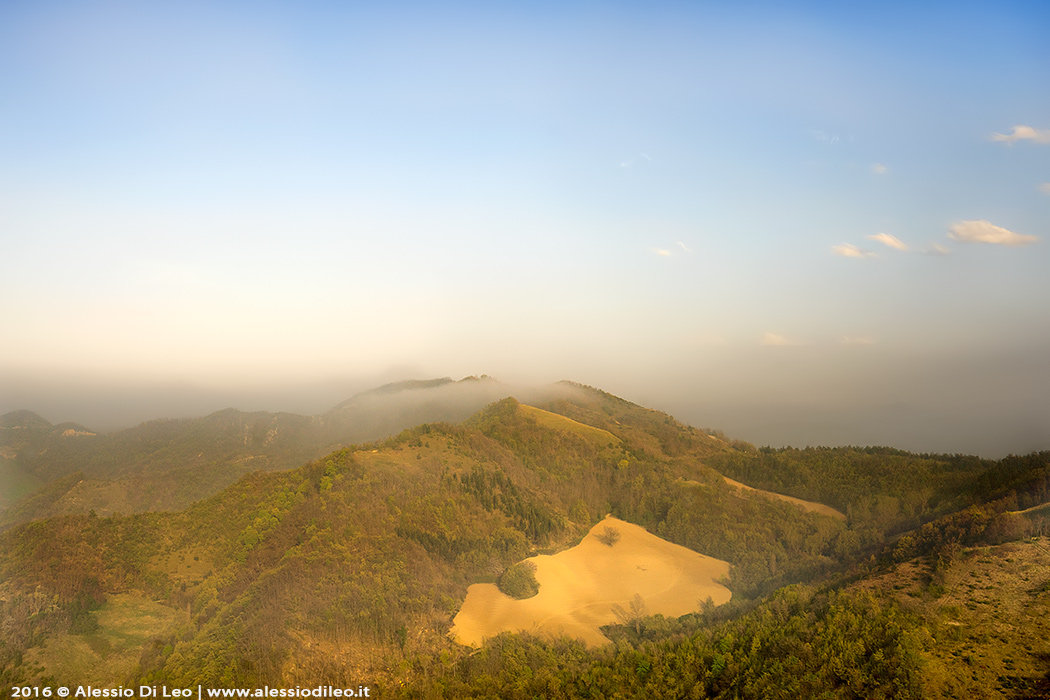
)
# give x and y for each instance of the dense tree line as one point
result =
(887, 490)
(799, 643)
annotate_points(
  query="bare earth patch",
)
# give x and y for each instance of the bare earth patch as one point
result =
(808, 506)
(580, 586)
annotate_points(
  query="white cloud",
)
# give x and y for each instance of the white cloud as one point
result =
(856, 340)
(1024, 133)
(777, 340)
(848, 250)
(879, 169)
(662, 252)
(684, 247)
(890, 240)
(937, 249)
(1045, 188)
(987, 232)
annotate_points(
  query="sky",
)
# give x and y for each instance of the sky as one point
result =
(801, 223)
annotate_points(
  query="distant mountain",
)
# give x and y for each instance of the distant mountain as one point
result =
(26, 442)
(399, 387)
(23, 420)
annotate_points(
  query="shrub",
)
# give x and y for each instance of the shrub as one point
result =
(609, 536)
(519, 581)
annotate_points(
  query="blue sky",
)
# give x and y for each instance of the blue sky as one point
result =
(836, 216)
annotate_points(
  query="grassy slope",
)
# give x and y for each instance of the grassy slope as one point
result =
(560, 423)
(111, 643)
(989, 617)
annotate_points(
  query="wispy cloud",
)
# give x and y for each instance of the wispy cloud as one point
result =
(684, 247)
(1045, 188)
(1024, 133)
(848, 250)
(662, 252)
(879, 169)
(777, 340)
(937, 249)
(890, 240)
(824, 137)
(856, 340)
(987, 232)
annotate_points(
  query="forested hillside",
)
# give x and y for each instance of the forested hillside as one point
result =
(349, 569)
(168, 464)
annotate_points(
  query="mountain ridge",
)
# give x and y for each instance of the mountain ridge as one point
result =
(353, 565)
(167, 463)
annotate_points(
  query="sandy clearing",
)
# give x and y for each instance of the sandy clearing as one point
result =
(809, 506)
(578, 588)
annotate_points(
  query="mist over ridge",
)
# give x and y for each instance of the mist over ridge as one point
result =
(909, 419)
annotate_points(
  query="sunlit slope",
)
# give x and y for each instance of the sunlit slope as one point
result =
(987, 614)
(554, 421)
(808, 506)
(648, 431)
(580, 587)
